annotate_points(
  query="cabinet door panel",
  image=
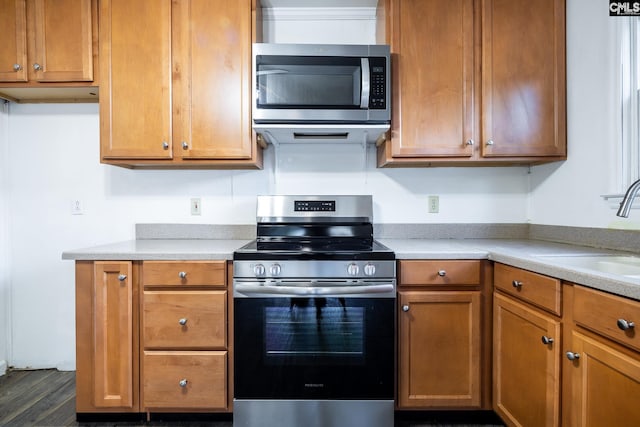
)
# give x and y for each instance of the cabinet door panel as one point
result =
(212, 73)
(432, 78)
(135, 87)
(113, 334)
(523, 93)
(63, 40)
(13, 48)
(526, 372)
(439, 350)
(605, 384)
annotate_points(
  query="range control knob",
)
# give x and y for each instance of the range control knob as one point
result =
(259, 270)
(353, 269)
(369, 270)
(275, 270)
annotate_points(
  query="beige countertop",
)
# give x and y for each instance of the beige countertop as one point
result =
(534, 255)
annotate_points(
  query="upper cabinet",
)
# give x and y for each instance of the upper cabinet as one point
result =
(476, 82)
(175, 90)
(49, 50)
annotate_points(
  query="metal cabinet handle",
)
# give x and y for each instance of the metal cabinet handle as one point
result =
(165, 145)
(405, 308)
(182, 274)
(183, 321)
(546, 340)
(17, 67)
(185, 145)
(573, 356)
(625, 325)
(470, 142)
(37, 67)
(122, 277)
(517, 284)
(490, 142)
(442, 273)
(183, 382)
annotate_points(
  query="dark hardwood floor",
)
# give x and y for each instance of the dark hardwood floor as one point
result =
(47, 398)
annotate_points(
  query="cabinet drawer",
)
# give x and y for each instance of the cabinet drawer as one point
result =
(439, 272)
(184, 319)
(183, 273)
(542, 291)
(185, 379)
(601, 313)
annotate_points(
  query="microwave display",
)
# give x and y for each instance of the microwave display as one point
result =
(320, 82)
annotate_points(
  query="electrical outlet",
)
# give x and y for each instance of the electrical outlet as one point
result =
(76, 207)
(434, 204)
(196, 207)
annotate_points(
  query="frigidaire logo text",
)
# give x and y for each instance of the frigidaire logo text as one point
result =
(624, 8)
(314, 385)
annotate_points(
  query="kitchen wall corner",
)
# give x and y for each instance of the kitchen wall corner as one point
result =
(5, 292)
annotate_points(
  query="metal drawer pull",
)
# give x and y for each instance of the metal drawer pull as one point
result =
(442, 273)
(183, 382)
(405, 308)
(625, 325)
(517, 284)
(546, 340)
(17, 67)
(183, 321)
(122, 277)
(573, 356)
(182, 274)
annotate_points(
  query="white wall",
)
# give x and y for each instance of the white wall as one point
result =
(5, 299)
(569, 193)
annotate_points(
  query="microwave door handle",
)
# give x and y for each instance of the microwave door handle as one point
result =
(365, 84)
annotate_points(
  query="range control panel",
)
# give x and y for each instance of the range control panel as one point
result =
(314, 205)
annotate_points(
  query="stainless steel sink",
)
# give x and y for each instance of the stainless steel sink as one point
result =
(625, 265)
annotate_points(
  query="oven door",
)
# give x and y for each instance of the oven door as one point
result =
(316, 347)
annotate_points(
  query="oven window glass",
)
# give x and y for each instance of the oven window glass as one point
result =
(308, 82)
(322, 329)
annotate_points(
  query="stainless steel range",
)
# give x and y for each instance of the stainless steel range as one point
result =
(314, 310)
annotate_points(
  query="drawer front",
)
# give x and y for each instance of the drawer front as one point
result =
(183, 273)
(537, 289)
(185, 319)
(185, 379)
(439, 272)
(607, 315)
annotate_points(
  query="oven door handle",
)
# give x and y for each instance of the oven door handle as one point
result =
(260, 288)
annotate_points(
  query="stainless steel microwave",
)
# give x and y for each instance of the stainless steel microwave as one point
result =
(321, 84)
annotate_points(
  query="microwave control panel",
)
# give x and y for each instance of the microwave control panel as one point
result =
(377, 98)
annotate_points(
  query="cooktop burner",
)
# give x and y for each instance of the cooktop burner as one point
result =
(326, 250)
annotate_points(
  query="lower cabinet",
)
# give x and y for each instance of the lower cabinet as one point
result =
(439, 334)
(602, 360)
(107, 344)
(526, 347)
(526, 364)
(152, 336)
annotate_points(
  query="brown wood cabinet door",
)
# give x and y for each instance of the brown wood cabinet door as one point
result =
(13, 48)
(433, 78)
(113, 347)
(212, 73)
(523, 78)
(439, 349)
(526, 371)
(63, 37)
(135, 82)
(605, 384)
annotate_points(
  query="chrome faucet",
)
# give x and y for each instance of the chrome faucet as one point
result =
(627, 201)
